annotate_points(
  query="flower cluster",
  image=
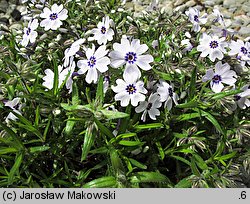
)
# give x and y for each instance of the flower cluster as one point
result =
(131, 59)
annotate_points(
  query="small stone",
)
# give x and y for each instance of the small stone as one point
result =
(3, 6)
(178, 2)
(16, 15)
(190, 3)
(244, 30)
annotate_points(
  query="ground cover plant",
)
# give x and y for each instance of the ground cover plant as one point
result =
(95, 96)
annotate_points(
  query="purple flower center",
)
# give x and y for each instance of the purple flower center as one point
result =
(237, 97)
(214, 44)
(103, 30)
(53, 16)
(131, 89)
(28, 31)
(92, 62)
(170, 92)
(149, 106)
(196, 18)
(131, 57)
(243, 50)
(216, 79)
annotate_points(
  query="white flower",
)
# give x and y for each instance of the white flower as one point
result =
(241, 49)
(218, 17)
(131, 55)
(71, 51)
(53, 17)
(15, 106)
(30, 34)
(129, 89)
(242, 98)
(151, 107)
(195, 18)
(49, 77)
(106, 82)
(221, 75)
(167, 94)
(103, 32)
(212, 46)
(96, 60)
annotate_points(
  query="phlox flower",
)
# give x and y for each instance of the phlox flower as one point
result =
(221, 75)
(212, 46)
(151, 107)
(15, 106)
(54, 17)
(30, 34)
(96, 61)
(103, 32)
(130, 54)
(49, 77)
(167, 94)
(241, 99)
(218, 17)
(195, 18)
(241, 49)
(129, 89)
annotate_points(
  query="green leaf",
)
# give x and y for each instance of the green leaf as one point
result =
(15, 168)
(114, 114)
(27, 125)
(56, 77)
(38, 149)
(12, 134)
(184, 183)
(200, 162)
(182, 159)
(103, 129)
(116, 161)
(191, 104)
(130, 143)
(88, 141)
(137, 164)
(188, 116)
(194, 167)
(163, 75)
(7, 150)
(192, 88)
(226, 156)
(104, 182)
(141, 177)
(148, 126)
(160, 149)
(211, 118)
(99, 91)
(223, 94)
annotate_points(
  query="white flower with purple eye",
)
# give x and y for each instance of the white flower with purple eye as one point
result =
(15, 106)
(30, 34)
(49, 77)
(129, 89)
(131, 55)
(54, 17)
(103, 32)
(167, 94)
(241, 49)
(218, 17)
(242, 98)
(212, 46)
(221, 75)
(195, 18)
(151, 107)
(96, 61)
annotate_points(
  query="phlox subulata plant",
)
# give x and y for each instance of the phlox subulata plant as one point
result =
(93, 94)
